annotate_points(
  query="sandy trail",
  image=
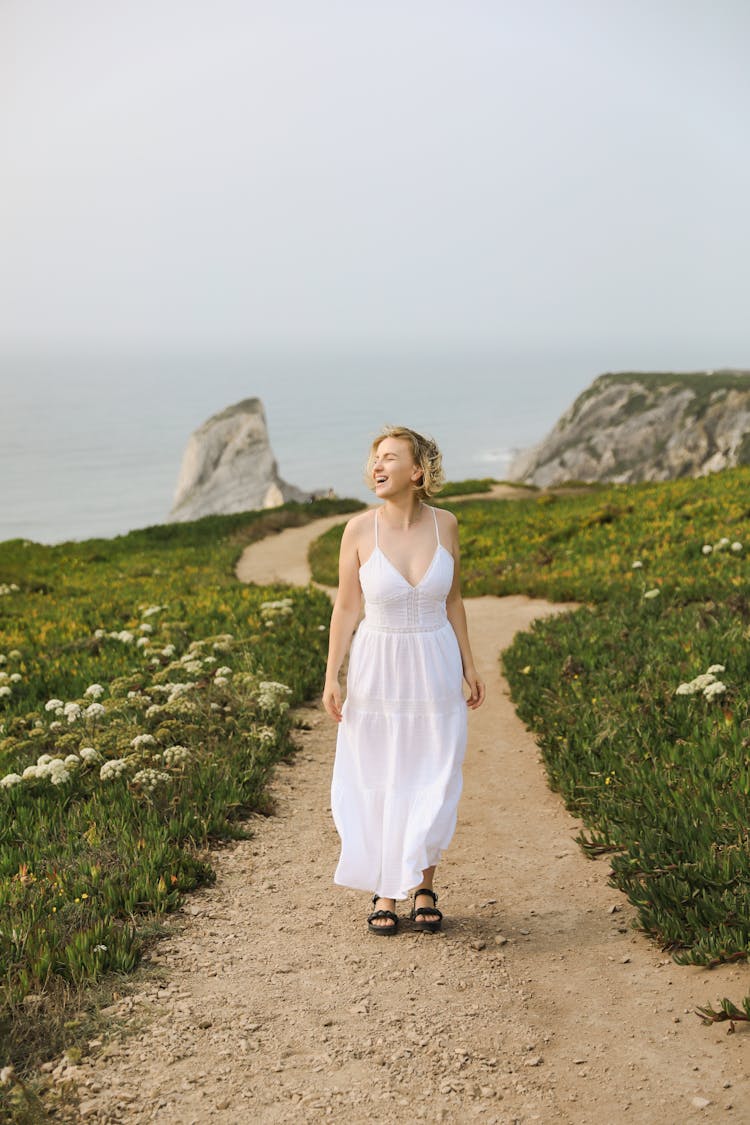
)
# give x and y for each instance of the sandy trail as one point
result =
(537, 1002)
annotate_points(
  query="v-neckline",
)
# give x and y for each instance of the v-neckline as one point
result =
(398, 572)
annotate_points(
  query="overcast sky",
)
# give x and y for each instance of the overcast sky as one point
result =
(232, 175)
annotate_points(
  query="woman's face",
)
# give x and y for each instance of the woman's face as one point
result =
(395, 463)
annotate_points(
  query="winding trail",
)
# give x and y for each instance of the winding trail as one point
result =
(537, 1002)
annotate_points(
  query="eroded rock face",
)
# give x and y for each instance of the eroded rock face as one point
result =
(637, 427)
(228, 466)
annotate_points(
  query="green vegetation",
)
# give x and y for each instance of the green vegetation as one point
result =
(660, 777)
(144, 697)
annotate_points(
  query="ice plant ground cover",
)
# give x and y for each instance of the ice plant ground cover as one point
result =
(147, 698)
(640, 700)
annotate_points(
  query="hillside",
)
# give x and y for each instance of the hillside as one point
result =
(644, 426)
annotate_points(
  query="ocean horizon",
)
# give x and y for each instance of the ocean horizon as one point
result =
(91, 445)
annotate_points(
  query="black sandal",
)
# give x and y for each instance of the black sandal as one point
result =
(386, 930)
(429, 927)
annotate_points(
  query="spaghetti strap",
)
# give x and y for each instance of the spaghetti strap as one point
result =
(376, 529)
(434, 516)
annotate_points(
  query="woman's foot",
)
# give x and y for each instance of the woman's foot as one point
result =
(383, 919)
(425, 913)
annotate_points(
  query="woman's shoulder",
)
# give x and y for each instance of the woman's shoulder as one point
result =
(355, 525)
(444, 517)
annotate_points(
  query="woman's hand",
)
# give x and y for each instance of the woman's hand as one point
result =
(477, 688)
(332, 698)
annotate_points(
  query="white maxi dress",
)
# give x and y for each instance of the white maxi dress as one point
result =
(400, 745)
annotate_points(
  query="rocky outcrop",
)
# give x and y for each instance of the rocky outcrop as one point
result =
(630, 427)
(228, 466)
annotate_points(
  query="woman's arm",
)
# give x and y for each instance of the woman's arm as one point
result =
(346, 611)
(456, 613)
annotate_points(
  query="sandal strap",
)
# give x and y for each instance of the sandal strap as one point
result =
(383, 914)
(425, 891)
(427, 910)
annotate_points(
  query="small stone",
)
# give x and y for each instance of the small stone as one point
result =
(501, 939)
(535, 1060)
(624, 960)
(700, 1103)
(478, 945)
(524, 931)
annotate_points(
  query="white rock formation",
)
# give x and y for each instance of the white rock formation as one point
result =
(636, 427)
(228, 466)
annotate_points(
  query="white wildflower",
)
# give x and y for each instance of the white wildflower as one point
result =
(113, 768)
(94, 710)
(5, 691)
(56, 725)
(717, 688)
(193, 666)
(53, 704)
(72, 760)
(94, 690)
(220, 680)
(270, 693)
(723, 542)
(43, 759)
(57, 777)
(14, 653)
(143, 740)
(152, 609)
(100, 949)
(209, 660)
(145, 628)
(30, 771)
(142, 642)
(176, 755)
(637, 564)
(9, 780)
(100, 633)
(4, 676)
(176, 689)
(150, 778)
(15, 677)
(73, 711)
(88, 754)
(707, 548)
(153, 710)
(168, 650)
(716, 668)
(223, 672)
(265, 735)
(125, 636)
(652, 593)
(736, 546)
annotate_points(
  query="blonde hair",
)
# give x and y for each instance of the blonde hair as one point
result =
(425, 454)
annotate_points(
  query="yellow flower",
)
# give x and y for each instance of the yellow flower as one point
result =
(525, 671)
(607, 780)
(84, 895)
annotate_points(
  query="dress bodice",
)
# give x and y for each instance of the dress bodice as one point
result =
(393, 604)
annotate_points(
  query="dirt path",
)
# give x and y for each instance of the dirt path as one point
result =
(535, 1003)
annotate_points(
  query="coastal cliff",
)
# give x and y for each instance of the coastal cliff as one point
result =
(639, 426)
(228, 466)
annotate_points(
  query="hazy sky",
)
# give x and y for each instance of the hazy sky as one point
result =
(333, 172)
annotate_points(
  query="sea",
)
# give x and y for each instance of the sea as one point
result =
(91, 443)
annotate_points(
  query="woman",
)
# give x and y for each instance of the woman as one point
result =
(403, 725)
